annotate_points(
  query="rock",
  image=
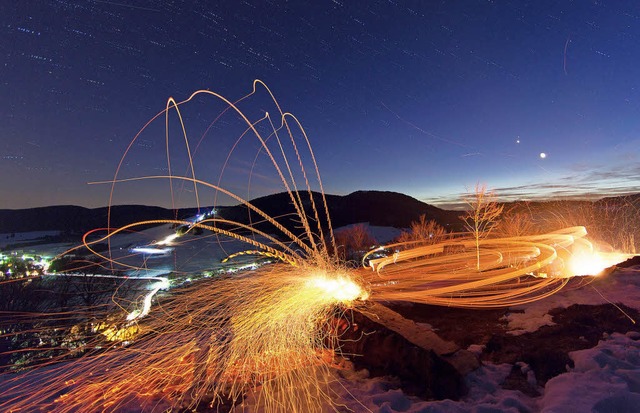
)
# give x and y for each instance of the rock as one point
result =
(383, 351)
(631, 262)
(464, 361)
(420, 334)
(633, 335)
(547, 350)
(519, 380)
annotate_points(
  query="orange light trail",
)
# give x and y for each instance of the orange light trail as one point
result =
(513, 271)
(268, 334)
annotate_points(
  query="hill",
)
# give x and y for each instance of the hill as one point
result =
(376, 207)
(379, 208)
(75, 219)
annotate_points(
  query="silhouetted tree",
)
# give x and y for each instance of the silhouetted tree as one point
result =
(482, 216)
(354, 241)
(423, 232)
(516, 223)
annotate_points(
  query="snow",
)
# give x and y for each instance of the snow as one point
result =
(20, 237)
(485, 395)
(476, 349)
(621, 286)
(191, 254)
(605, 378)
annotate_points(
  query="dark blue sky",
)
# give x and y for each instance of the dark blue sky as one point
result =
(425, 98)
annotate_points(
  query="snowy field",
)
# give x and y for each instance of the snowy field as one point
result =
(20, 237)
(191, 254)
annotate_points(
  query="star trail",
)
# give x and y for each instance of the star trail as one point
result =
(535, 99)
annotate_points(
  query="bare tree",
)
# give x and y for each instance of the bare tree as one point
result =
(482, 216)
(424, 232)
(517, 223)
(353, 240)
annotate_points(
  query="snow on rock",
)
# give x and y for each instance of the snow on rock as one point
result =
(621, 286)
(476, 349)
(605, 378)
(528, 321)
(485, 395)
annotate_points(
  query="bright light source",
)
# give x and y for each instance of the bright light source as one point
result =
(168, 239)
(152, 251)
(339, 288)
(585, 262)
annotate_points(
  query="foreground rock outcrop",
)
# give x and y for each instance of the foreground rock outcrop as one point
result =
(374, 339)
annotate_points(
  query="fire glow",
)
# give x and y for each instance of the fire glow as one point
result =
(585, 260)
(340, 289)
(265, 334)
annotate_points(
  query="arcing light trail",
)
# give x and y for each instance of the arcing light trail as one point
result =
(513, 271)
(161, 283)
(268, 336)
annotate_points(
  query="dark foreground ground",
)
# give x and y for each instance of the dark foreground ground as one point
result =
(536, 340)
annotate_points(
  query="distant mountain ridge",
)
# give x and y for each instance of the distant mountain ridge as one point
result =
(380, 208)
(76, 219)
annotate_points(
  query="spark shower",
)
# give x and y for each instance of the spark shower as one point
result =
(266, 337)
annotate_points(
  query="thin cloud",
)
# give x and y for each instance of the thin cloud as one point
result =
(581, 184)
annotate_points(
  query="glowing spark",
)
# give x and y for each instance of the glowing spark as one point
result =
(269, 333)
(340, 289)
(587, 264)
(586, 260)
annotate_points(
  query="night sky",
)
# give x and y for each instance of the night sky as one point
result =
(424, 98)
